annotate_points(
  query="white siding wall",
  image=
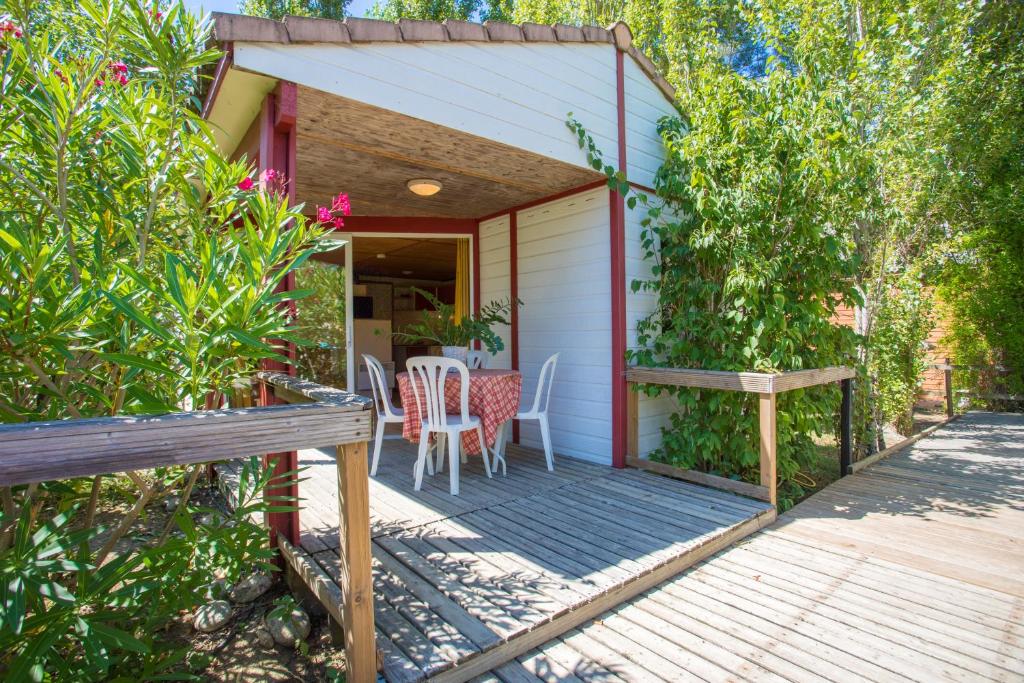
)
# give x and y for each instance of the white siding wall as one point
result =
(515, 93)
(564, 282)
(495, 277)
(645, 104)
(654, 412)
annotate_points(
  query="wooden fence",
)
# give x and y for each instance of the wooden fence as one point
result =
(767, 386)
(319, 417)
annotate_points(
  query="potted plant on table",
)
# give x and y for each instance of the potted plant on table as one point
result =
(439, 327)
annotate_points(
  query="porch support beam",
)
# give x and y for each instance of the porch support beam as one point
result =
(277, 152)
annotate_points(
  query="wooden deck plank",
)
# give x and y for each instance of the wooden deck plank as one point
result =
(933, 632)
(853, 584)
(565, 664)
(803, 619)
(980, 603)
(912, 635)
(912, 573)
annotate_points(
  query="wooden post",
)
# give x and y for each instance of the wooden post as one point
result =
(846, 428)
(632, 423)
(281, 523)
(947, 374)
(768, 446)
(356, 576)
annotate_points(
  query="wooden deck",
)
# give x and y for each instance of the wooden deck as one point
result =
(912, 570)
(465, 583)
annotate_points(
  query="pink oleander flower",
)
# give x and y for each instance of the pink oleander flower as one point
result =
(323, 214)
(268, 176)
(118, 67)
(9, 27)
(342, 204)
(98, 82)
(338, 222)
(246, 184)
(156, 14)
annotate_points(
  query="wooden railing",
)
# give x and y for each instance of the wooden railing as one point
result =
(44, 451)
(947, 378)
(767, 386)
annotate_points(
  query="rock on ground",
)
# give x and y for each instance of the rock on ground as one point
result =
(212, 616)
(264, 638)
(251, 587)
(288, 627)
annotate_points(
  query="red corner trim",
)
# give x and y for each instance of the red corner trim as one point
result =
(513, 285)
(617, 211)
(476, 272)
(285, 113)
(545, 200)
(277, 151)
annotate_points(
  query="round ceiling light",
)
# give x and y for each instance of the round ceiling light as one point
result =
(424, 187)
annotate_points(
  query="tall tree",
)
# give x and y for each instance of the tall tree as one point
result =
(277, 9)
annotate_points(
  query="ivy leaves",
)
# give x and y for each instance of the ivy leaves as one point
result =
(750, 250)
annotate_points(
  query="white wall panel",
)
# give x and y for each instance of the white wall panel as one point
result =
(645, 104)
(515, 93)
(564, 281)
(495, 278)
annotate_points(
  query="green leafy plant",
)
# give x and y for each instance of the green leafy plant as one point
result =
(66, 615)
(321, 321)
(440, 327)
(899, 358)
(750, 253)
(141, 275)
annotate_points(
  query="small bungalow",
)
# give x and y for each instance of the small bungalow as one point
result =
(451, 142)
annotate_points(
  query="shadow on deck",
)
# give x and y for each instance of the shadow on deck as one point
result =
(463, 584)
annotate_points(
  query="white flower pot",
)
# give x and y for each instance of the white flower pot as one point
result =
(459, 353)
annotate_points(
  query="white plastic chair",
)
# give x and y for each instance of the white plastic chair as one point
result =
(428, 375)
(387, 413)
(477, 359)
(538, 411)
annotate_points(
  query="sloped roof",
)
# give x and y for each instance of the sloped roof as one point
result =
(295, 29)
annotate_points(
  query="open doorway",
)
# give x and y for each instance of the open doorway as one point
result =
(364, 291)
(386, 272)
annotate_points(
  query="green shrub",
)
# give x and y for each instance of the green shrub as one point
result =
(140, 270)
(751, 249)
(65, 616)
(899, 357)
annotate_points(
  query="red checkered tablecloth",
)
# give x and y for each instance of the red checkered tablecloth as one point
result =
(493, 397)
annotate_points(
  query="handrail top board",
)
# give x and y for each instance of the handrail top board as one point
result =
(753, 382)
(315, 392)
(91, 426)
(43, 451)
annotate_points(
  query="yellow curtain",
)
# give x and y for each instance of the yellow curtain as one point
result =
(462, 306)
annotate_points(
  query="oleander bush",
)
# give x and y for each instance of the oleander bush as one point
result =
(139, 275)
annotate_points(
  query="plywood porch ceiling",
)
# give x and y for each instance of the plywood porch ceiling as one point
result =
(404, 257)
(370, 153)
